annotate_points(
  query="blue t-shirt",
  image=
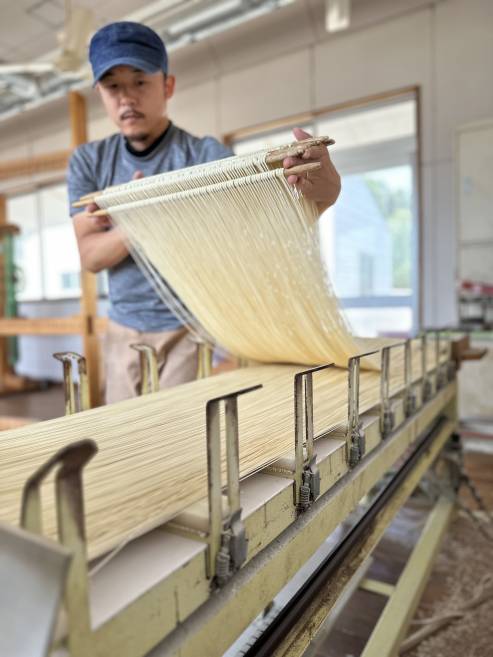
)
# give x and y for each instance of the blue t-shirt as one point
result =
(99, 164)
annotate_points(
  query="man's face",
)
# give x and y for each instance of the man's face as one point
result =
(136, 101)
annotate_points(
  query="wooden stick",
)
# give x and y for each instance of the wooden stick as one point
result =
(296, 149)
(274, 157)
(293, 171)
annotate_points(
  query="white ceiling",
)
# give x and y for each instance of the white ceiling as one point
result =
(28, 28)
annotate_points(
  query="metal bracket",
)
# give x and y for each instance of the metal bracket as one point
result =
(70, 462)
(205, 354)
(425, 380)
(438, 369)
(409, 394)
(148, 368)
(76, 395)
(355, 436)
(227, 540)
(306, 474)
(442, 369)
(387, 415)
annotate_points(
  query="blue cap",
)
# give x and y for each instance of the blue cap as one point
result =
(127, 44)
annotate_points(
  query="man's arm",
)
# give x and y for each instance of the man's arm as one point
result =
(322, 186)
(100, 245)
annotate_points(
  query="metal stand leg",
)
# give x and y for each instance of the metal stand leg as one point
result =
(76, 395)
(387, 418)
(227, 540)
(148, 368)
(355, 436)
(306, 475)
(69, 461)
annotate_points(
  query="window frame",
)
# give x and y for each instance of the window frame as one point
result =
(35, 190)
(310, 119)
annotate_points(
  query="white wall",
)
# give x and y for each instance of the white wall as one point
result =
(285, 63)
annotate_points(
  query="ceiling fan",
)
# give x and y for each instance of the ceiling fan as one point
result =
(79, 24)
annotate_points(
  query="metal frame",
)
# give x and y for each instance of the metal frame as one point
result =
(274, 523)
(77, 396)
(306, 473)
(293, 630)
(69, 463)
(404, 597)
(355, 436)
(226, 536)
(149, 375)
(387, 414)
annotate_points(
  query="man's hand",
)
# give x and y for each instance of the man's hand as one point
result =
(322, 186)
(99, 247)
(99, 223)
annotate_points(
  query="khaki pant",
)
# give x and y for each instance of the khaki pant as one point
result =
(176, 356)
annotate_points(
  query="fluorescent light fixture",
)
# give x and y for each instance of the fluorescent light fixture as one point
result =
(337, 15)
(199, 18)
(33, 68)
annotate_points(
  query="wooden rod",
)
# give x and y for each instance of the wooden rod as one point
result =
(297, 148)
(293, 171)
(41, 326)
(30, 166)
(274, 157)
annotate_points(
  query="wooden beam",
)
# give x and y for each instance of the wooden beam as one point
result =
(30, 166)
(41, 326)
(399, 610)
(5, 368)
(89, 300)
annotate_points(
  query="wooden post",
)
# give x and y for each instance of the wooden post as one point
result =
(4, 365)
(89, 299)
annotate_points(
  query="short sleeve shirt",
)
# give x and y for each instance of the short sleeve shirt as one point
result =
(99, 164)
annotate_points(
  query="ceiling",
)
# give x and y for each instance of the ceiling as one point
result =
(28, 29)
(29, 32)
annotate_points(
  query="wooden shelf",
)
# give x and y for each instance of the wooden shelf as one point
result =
(41, 326)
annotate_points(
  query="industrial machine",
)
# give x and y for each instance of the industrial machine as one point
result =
(191, 587)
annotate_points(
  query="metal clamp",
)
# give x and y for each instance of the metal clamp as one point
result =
(76, 394)
(355, 436)
(387, 415)
(70, 462)
(148, 368)
(451, 364)
(306, 474)
(426, 389)
(409, 394)
(441, 371)
(227, 539)
(205, 354)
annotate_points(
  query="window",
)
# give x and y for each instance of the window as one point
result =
(369, 238)
(59, 246)
(23, 211)
(46, 253)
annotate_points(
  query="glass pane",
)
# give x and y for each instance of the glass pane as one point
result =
(366, 236)
(372, 322)
(266, 140)
(367, 239)
(60, 254)
(370, 126)
(22, 211)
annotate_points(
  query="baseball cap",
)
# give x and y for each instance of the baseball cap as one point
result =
(127, 44)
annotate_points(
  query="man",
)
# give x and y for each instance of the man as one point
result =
(130, 67)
